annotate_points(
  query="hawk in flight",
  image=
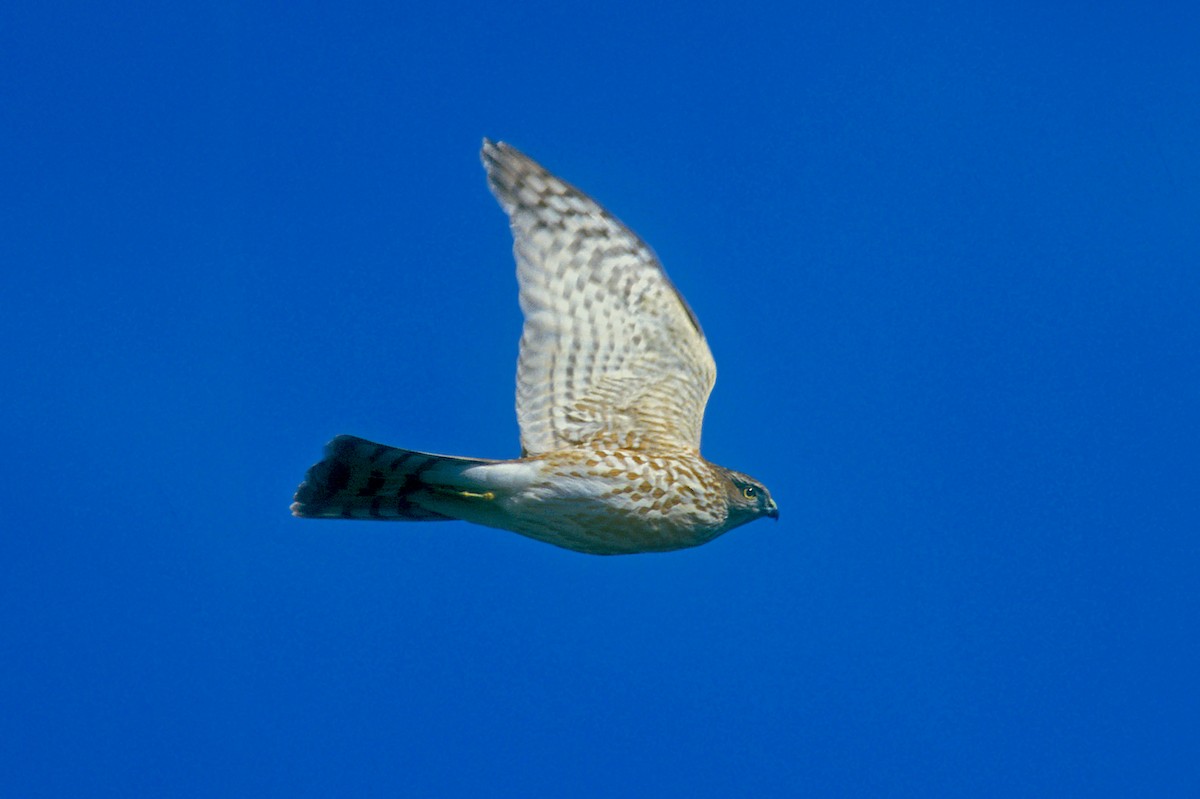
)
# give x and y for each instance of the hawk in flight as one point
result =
(612, 380)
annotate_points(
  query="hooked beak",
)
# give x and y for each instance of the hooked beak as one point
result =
(773, 511)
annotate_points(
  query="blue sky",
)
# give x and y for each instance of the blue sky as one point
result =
(946, 258)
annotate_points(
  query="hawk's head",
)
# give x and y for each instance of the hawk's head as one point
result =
(747, 499)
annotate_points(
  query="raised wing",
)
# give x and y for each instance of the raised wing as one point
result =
(610, 351)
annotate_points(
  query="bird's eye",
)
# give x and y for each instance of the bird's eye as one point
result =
(749, 492)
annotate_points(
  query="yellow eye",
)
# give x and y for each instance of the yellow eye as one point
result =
(749, 492)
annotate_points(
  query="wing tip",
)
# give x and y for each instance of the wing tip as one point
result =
(503, 161)
(492, 153)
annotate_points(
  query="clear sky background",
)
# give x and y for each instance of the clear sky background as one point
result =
(947, 261)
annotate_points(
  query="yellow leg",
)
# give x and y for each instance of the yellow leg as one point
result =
(473, 495)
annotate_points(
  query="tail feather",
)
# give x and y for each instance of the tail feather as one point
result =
(359, 479)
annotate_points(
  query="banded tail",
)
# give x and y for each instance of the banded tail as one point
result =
(359, 479)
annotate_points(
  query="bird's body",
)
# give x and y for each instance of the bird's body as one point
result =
(612, 380)
(603, 502)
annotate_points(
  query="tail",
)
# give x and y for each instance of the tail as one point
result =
(359, 479)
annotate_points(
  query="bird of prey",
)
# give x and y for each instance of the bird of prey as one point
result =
(612, 379)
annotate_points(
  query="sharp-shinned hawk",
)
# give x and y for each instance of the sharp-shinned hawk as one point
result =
(612, 379)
